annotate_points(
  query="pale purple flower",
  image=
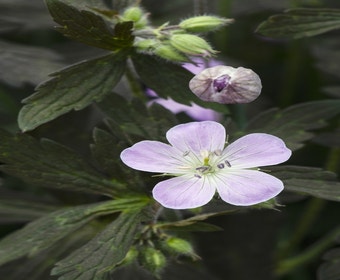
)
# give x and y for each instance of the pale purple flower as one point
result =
(202, 165)
(226, 85)
(194, 111)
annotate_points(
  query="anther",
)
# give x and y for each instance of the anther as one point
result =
(198, 176)
(186, 153)
(227, 163)
(218, 152)
(220, 165)
(202, 169)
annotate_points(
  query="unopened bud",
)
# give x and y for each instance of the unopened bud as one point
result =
(227, 85)
(191, 45)
(204, 23)
(131, 255)
(169, 53)
(137, 15)
(153, 260)
(146, 45)
(179, 246)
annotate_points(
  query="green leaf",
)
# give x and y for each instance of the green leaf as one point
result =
(301, 22)
(134, 118)
(44, 232)
(309, 181)
(39, 266)
(49, 164)
(293, 123)
(103, 252)
(194, 223)
(90, 28)
(169, 80)
(74, 87)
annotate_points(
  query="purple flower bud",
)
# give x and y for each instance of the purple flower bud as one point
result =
(226, 84)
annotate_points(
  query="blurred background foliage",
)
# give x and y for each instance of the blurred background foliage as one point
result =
(292, 72)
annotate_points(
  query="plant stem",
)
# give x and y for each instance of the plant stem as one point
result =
(239, 115)
(134, 84)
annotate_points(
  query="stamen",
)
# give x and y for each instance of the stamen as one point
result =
(202, 169)
(220, 165)
(186, 153)
(218, 152)
(227, 163)
(197, 176)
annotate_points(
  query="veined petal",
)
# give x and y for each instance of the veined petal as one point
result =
(257, 149)
(197, 136)
(246, 187)
(183, 192)
(153, 156)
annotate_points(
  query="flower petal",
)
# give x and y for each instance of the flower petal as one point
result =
(183, 192)
(257, 149)
(153, 156)
(197, 136)
(247, 187)
(194, 111)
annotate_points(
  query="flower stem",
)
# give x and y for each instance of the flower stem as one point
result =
(135, 86)
(239, 115)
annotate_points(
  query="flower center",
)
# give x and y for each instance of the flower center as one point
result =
(221, 82)
(212, 163)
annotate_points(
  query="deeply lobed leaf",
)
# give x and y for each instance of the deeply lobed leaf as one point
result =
(294, 123)
(46, 231)
(301, 22)
(49, 164)
(309, 181)
(171, 80)
(74, 87)
(103, 252)
(83, 25)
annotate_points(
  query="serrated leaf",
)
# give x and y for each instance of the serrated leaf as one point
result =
(194, 223)
(169, 80)
(308, 180)
(103, 252)
(49, 164)
(90, 28)
(300, 22)
(134, 118)
(39, 266)
(74, 87)
(44, 232)
(106, 151)
(294, 123)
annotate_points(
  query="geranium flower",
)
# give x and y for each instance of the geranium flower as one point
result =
(202, 165)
